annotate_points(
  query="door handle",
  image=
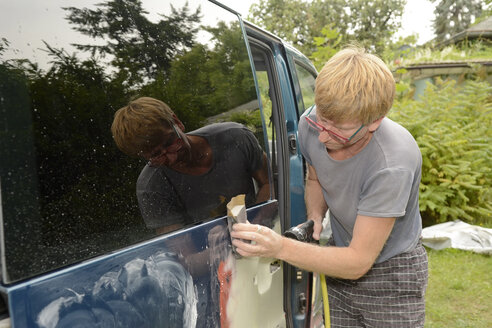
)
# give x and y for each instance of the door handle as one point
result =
(292, 144)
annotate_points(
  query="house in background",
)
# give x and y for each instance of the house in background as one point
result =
(482, 30)
(451, 63)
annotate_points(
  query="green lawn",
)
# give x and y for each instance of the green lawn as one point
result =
(460, 289)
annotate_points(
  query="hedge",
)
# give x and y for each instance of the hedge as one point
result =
(452, 125)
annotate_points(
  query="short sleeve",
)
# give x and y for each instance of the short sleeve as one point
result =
(302, 135)
(386, 193)
(252, 149)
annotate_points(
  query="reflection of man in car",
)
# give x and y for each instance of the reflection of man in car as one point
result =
(189, 176)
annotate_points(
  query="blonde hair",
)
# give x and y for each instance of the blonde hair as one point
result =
(354, 85)
(141, 125)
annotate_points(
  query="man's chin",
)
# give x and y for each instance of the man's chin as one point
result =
(333, 146)
(176, 160)
(167, 161)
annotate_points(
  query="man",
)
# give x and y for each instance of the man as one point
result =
(189, 176)
(366, 169)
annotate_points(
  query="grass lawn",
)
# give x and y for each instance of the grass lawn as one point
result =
(459, 293)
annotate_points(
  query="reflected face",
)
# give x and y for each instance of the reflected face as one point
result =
(167, 153)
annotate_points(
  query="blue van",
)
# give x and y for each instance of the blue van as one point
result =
(75, 250)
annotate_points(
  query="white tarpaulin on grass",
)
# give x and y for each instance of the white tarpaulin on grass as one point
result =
(460, 235)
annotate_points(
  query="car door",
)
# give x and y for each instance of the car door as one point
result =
(282, 94)
(304, 77)
(76, 251)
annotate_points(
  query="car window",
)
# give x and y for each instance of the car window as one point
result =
(307, 82)
(265, 75)
(68, 192)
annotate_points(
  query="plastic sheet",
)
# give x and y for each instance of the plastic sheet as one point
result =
(459, 235)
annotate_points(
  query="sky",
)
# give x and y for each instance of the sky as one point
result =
(27, 23)
(417, 17)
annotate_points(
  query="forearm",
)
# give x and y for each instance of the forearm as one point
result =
(169, 228)
(315, 203)
(263, 193)
(340, 262)
(263, 182)
(351, 262)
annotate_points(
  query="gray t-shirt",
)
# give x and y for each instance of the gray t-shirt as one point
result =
(382, 180)
(168, 197)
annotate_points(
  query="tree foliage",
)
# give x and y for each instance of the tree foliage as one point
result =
(205, 82)
(451, 124)
(159, 58)
(137, 46)
(374, 22)
(454, 16)
(326, 46)
(286, 18)
(369, 23)
(486, 12)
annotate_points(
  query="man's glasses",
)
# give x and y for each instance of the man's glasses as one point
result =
(170, 146)
(318, 127)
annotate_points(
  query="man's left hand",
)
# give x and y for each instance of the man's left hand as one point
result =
(265, 241)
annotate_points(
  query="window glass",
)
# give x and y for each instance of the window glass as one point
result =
(307, 82)
(261, 57)
(68, 192)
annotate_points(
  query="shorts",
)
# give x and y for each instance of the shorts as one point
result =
(390, 294)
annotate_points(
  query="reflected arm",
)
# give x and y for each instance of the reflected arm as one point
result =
(261, 178)
(168, 228)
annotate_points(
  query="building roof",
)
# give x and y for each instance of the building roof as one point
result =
(480, 30)
(449, 63)
(422, 70)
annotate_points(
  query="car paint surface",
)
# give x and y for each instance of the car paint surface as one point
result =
(155, 285)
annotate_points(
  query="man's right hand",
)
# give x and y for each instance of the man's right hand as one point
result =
(318, 227)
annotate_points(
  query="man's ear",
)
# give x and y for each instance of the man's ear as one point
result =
(178, 123)
(375, 125)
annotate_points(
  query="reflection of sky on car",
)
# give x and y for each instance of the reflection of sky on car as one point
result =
(40, 21)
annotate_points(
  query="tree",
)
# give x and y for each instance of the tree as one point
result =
(4, 44)
(326, 46)
(370, 23)
(454, 16)
(209, 79)
(373, 23)
(126, 32)
(486, 12)
(286, 18)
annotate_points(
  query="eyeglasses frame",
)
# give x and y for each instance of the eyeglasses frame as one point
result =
(318, 127)
(178, 137)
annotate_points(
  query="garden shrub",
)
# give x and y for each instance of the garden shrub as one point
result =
(452, 126)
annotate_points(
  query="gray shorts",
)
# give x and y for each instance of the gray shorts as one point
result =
(391, 294)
